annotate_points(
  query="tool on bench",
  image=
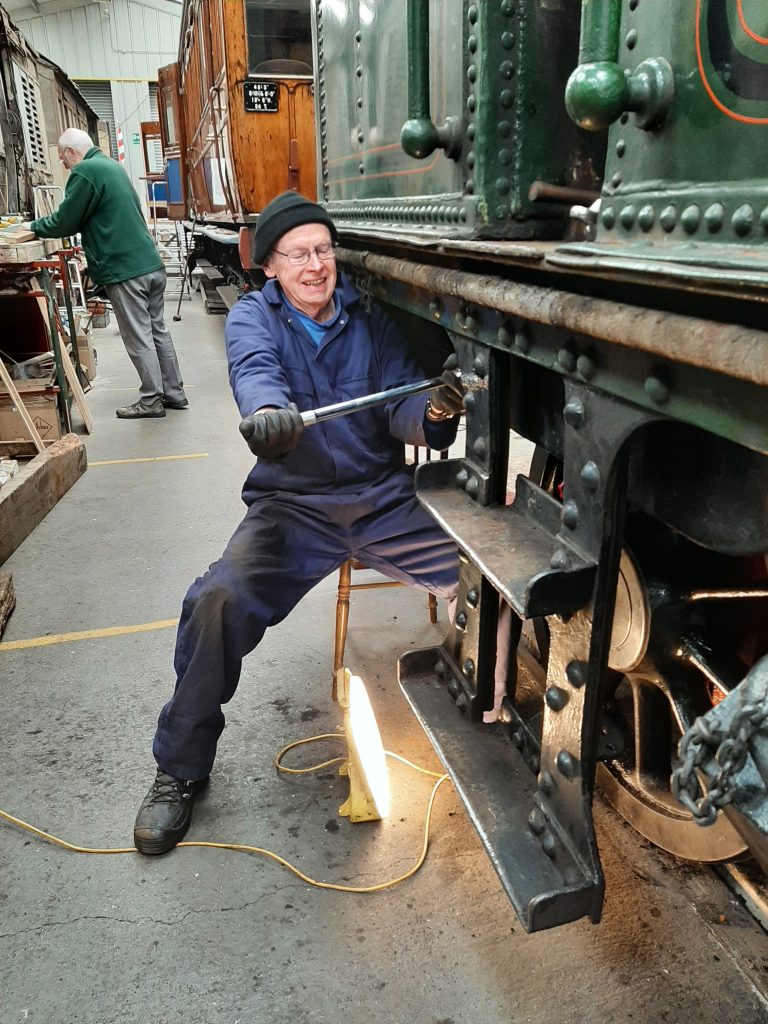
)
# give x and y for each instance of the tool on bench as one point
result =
(330, 412)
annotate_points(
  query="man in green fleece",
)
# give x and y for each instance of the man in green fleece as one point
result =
(101, 204)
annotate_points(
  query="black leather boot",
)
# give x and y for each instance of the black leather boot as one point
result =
(165, 814)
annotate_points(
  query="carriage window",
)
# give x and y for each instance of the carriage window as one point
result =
(279, 37)
(170, 122)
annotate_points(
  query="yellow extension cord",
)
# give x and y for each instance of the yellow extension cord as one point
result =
(242, 848)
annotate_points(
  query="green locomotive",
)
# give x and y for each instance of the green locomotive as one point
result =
(574, 197)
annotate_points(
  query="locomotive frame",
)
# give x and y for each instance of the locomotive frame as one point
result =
(524, 181)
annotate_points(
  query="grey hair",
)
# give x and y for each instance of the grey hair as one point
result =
(77, 139)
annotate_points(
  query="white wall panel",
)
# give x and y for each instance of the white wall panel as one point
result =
(124, 42)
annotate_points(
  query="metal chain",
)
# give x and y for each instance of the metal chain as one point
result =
(731, 746)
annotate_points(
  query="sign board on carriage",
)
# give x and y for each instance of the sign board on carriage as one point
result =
(260, 97)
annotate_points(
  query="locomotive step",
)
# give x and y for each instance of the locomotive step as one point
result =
(513, 545)
(498, 789)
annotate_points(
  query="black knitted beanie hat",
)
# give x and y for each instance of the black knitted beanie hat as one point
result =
(284, 212)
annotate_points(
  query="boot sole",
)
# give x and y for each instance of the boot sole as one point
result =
(155, 847)
(142, 416)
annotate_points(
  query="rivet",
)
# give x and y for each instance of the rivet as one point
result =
(567, 764)
(556, 698)
(440, 668)
(549, 844)
(506, 98)
(616, 179)
(505, 157)
(472, 72)
(631, 40)
(461, 478)
(546, 783)
(470, 401)
(507, 40)
(574, 673)
(743, 220)
(470, 159)
(646, 217)
(590, 476)
(608, 217)
(566, 357)
(472, 14)
(468, 668)
(574, 412)
(656, 389)
(471, 132)
(473, 487)
(360, 136)
(559, 560)
(714, 217)
(501, 212)
(480, 365)
(505, 335)
(536, 821)
(508, 7)
(504, 129)
(358, 36)
(469, 188)
(359, 71)
(480, 447)
(359, 101)
(503, 185)
(472, 598)
(507, 68)
(668, 218)
(471, 104)
(627, 216)
(462, 701)
(621, 147)
(454, 688)
(522, 341)
(472, 44)
(361, 168)
(690, 218)
(586, 366)
(570, 515)
(461, 620)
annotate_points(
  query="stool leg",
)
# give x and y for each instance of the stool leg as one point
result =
(432, 603)
(342, 618)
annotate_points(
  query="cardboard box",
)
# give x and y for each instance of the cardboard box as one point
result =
(87, 353)
(41, 406)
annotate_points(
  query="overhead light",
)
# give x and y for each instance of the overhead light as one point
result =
(366, 765)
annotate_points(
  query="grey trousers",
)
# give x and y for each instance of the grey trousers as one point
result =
(138, 306)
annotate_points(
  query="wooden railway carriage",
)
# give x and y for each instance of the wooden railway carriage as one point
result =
(454, 143)
(237, 109)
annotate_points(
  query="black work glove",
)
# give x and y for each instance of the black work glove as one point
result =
(448, 399)
(274, 432)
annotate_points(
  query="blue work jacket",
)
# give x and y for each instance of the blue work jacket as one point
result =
(273, 361)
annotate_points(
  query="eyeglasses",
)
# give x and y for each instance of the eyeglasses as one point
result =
(300, 257)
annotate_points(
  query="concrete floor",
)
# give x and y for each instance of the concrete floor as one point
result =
(214, 937)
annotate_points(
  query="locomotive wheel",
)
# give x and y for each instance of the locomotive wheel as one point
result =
(662, 674)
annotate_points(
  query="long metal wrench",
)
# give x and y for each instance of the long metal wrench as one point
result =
(331, 412)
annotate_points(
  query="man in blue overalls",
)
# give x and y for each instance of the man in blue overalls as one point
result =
(315, 497)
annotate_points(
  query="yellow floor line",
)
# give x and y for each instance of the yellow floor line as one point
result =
(86, 634)
(152, 458)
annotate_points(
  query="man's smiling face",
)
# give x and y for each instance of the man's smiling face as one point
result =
(309, 288)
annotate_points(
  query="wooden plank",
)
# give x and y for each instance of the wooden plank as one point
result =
(21, 408)
(21, 449)
(7, 599)
(228, 294)
(31, 494)
(77, 391)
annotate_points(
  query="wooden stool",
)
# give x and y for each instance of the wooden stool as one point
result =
(342, 606)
